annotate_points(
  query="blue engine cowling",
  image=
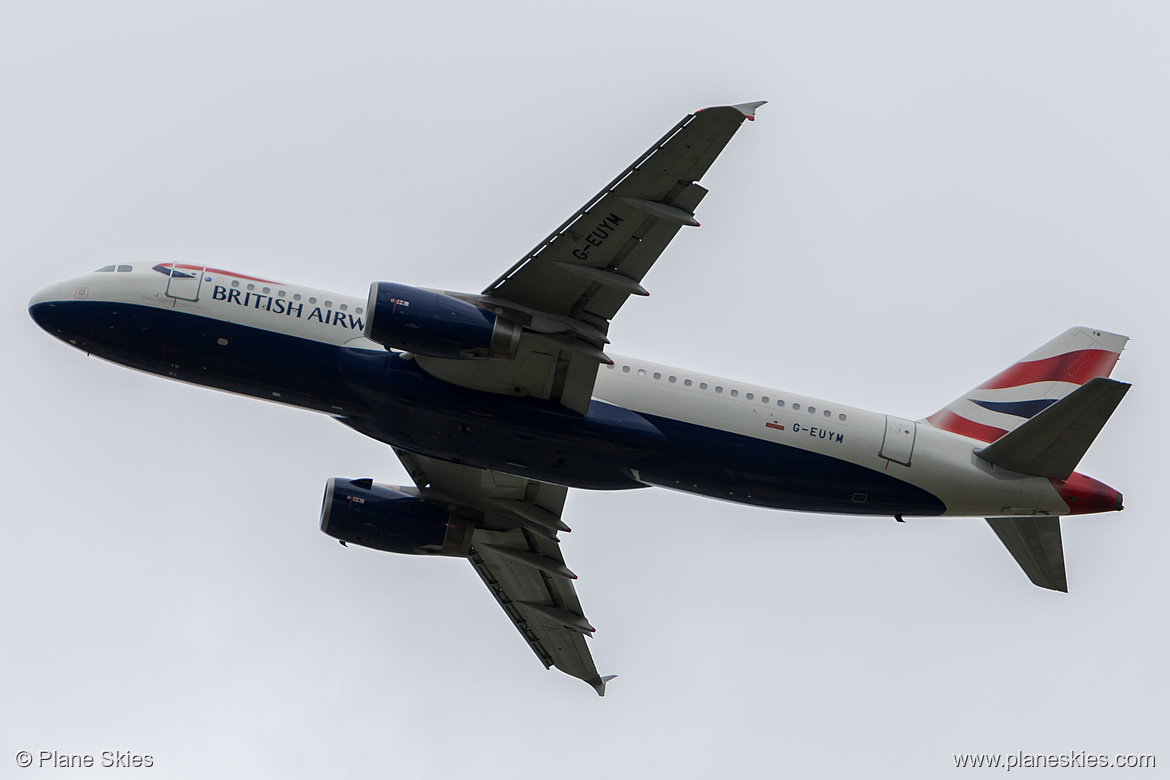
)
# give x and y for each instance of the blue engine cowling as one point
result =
(383, 517)
(430, 323)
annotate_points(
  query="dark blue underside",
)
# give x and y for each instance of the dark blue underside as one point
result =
(392, 400)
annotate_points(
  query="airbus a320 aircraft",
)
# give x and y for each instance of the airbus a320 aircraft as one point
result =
(498, 403)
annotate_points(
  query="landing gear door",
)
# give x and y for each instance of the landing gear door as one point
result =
(898, 444)
(184, 282)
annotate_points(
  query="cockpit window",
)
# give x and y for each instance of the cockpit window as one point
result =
(104, 269)
(124, 269)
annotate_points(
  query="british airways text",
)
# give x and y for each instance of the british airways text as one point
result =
(287, 308)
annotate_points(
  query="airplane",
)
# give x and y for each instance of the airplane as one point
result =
(497, 403)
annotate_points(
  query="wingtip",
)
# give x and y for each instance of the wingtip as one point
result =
(749, 109)
(599, 686)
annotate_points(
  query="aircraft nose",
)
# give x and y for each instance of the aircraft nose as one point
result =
(40, 306)
(50, 293)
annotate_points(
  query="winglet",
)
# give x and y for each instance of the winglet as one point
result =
(599, 686)
(749, 109)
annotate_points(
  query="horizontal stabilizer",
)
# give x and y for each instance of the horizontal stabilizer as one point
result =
(1036, 545)
(1052, 443)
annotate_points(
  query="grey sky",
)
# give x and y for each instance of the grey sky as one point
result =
(933, 191)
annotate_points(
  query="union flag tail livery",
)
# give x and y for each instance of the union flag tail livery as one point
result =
(1038, 380)
(498, 403)
(1039, 417)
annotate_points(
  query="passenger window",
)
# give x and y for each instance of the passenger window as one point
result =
(749, 396)
(702, 385)
(796, 407)
(779, 402)
(764, 399)
(812, 410)
(312, 299)
(235, 282)
(718, 388)
(251, 286)
(625, 369)
(266, 290)
(343, 307)
(296, 296)
(280, 293)
(734, 393)
(828, 413)
(359, 311)
(657, 375)
(687, 382)
(841, 417)
(641, 372)
(328, 304)
(672, 380)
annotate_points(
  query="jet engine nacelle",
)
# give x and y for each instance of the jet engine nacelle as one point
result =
(384, 517)
(430, 323)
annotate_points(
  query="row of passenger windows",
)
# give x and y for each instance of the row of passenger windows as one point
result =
(236, 283)
(296, 296)
(764, 399)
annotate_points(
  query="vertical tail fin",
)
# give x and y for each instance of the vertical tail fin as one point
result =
(1035, 382)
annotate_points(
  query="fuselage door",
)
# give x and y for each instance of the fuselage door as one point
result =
(184, 282)
(898, 444)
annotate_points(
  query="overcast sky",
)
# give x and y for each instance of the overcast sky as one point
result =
(932, 191)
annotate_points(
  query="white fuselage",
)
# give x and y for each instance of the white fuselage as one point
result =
(938, 462)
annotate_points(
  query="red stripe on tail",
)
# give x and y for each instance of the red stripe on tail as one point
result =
(1075, 367)
(946, 420)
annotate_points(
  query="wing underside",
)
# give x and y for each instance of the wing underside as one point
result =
(590, 265)
(529, 579)
(564, 292)
(516, 551)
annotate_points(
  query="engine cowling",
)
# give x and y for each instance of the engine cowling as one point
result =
(385, 517)
(430, 323)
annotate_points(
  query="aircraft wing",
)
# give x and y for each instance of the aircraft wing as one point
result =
(589, 265)
(516, 551)
(567, 289)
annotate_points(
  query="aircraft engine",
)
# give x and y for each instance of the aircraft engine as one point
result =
(430, 323)
(384, 517)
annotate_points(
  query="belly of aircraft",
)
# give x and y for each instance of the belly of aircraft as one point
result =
(394, 401)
